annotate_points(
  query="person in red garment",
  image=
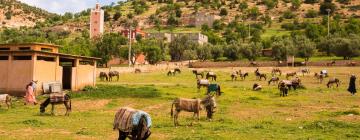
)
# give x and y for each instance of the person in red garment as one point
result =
(29, 95)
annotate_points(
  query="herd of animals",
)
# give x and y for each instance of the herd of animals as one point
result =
(141, 130)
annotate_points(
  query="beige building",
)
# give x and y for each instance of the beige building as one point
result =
(168, 37)
(21, 63)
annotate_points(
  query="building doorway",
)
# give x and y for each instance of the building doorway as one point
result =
(67, 65)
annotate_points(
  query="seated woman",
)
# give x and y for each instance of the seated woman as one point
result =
(29, 94)
(257, 87)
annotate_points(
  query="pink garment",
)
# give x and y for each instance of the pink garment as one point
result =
(29, 95)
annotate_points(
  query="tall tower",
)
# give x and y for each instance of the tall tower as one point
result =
(96, 21)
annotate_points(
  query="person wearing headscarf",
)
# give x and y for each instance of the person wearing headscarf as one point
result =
(352, 85)
(29, 95)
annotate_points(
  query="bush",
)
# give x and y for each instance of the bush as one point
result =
(311, 14)
(8, 15)
(327, 5)
(223, 12)
(344, 1)
(289, 15)
(311, 1)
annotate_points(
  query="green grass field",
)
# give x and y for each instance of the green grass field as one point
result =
(312, 113)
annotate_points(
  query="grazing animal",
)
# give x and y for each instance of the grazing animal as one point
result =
(275, 71)
(193, 105)
(305, 71)
(202, 83)
(333, 81)
(171, 72)
(283, 89)
(274, 80)
(291, 74)
(257, 87)
(113, 74)
(320, 77)
(103, 76)
(214, 88)
(57, 99)
(234, 75)
(294, 83)
(137, 70)
(177, 70)
(254, 64)
(352, 64)
(259, 75)
(331, 63)
(131, 123)
(243, 75)
(211, 75)
(5, 98)
(198, 72)
(324, 72)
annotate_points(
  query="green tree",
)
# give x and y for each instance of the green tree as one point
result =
(296, 4)
(327, 5)
(232, 51)
(250, 51)
(346, 48)
(304, 46)
(253, 13)
(203, 52)
(223, 12)
(217, 51)
(8, 15)
(108, 46)
(106, 16)
(116, 16)
(178, 46)
(242, 6)
(283, 48)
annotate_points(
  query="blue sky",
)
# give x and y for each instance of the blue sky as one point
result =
(62, 6)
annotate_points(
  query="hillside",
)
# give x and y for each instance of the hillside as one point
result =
(15, 14)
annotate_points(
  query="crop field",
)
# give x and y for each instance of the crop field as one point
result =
(315, 112)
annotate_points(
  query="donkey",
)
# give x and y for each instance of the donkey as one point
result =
(113, 74)
(305, 71)
(352, 64)
(254, 64)
(333, 81)
(171, 73)
(211, 75)
(6, 99)
(320, 77)
(330, 63)
(66, 100)
(234, 75)
(243, 75)
(137, 70)
(259, 75)
(202, 83)
(177, 70)
(274, 71)
(273, 80)
(198, 72)
(103, 76)
(294, 83)
(124, 123)
(291, 74)
(193, 105)
(256, 87)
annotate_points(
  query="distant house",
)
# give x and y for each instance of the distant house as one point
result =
(134, 33)
(169, 37)
(267, 52)
(22, 63)
(199, 19)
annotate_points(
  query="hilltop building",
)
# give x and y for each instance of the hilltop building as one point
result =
(96, 21)
(22, 63)
(199, 19)
(169, 37)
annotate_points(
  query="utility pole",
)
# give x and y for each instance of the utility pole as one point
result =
(249, 31)
(130, 37)
(328, 11)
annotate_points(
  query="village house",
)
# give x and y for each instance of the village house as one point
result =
(169, 37)
(22, 63)
(199, 19)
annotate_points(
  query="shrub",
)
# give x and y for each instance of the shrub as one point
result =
(289, 15)
(311, 1)
(223, 12)
(311, 14)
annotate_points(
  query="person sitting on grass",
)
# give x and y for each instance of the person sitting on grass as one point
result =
(29, 94)
(257, 87)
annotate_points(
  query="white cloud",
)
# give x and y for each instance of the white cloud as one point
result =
(62, 6)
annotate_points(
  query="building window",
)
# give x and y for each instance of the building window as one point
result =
(46, 49)
(44, 58)
(22, 58)
(4, 49)
(84, 62)
(24, 48)
(4, 57)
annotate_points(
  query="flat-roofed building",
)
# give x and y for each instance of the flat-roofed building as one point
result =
(22, 63)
